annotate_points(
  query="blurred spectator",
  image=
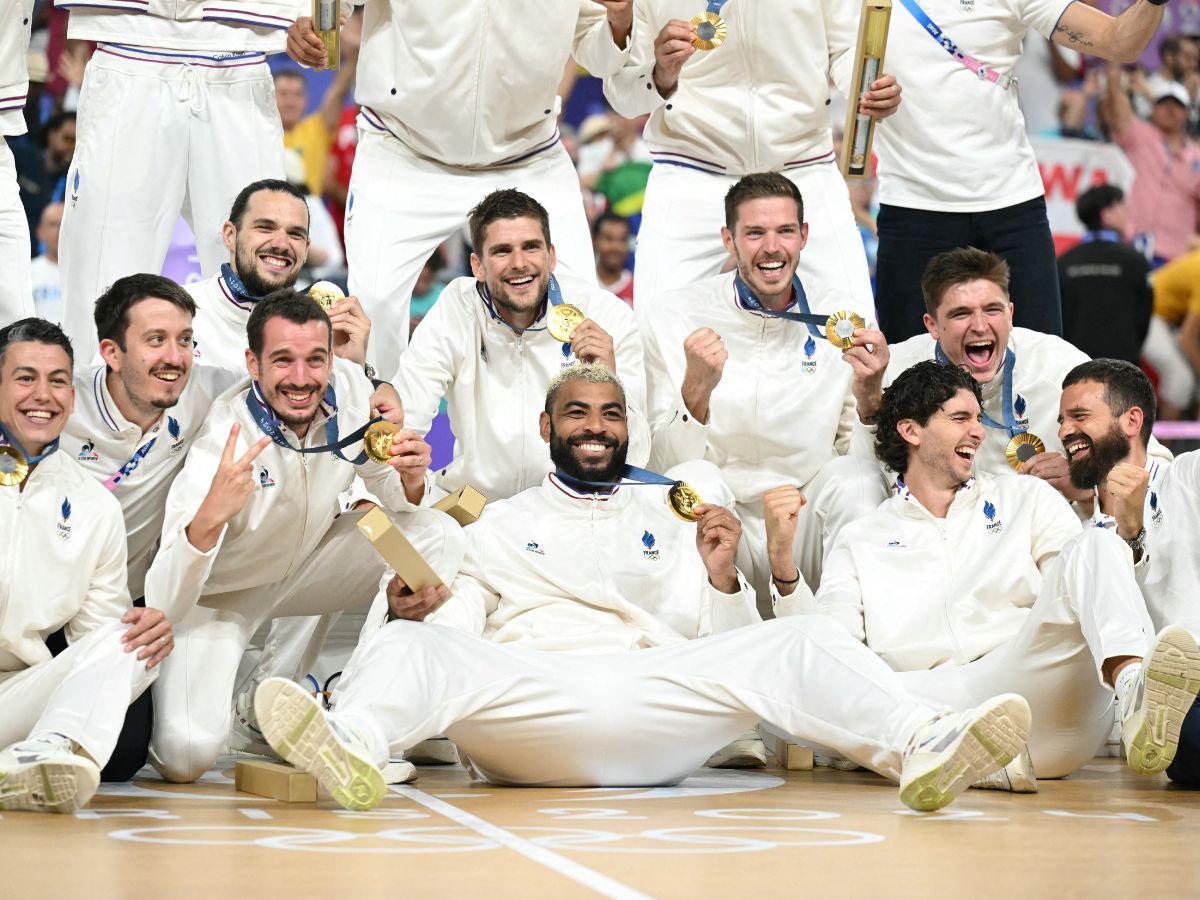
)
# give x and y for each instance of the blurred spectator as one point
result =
(1106, 296)
(427, 289)
(339, 167)
(312, 135)
(42, 167)
(326, 260)
(1180, 57)
(1042, 71)
(1165, 198)
(1074, 111)
(47, 296)
(611, 242)
(1173, 344)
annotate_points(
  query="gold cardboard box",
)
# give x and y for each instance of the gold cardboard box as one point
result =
(327, 23)
(868, 66)
(390, 543)
(278, 781)
(464, 506)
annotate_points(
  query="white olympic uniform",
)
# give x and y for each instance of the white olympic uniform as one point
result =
(62, 563)
(177, 114)
(563, 657)
(494, 381)
(1043, 361)
(1170, 569)
(16, 291)
(139, 468)
(1006, 593)
(757, 103)
(453, 108)
(783, 413)
(219, 326)
(286, 553)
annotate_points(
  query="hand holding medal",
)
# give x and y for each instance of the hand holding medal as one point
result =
(405, 451)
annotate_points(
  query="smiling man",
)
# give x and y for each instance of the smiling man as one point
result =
(970, 585)
(969, 323)
(63, 566)
(251, 530)
(567, 660)
(769, 401)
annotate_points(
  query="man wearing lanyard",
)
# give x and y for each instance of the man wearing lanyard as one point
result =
(955, 166)
(251, 529)
(1153, 504)
(968, 584)
(739, 87)
(564, 657)
(969, 322)
(769, 401)
(63, 559)
(453, 106)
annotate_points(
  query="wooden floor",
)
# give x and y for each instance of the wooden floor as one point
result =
(747, 834)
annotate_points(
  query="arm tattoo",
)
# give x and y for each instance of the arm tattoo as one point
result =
(1075, 37)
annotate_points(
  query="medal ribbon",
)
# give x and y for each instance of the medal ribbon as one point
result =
(815, 323)
(984, 73)
(1010, 418)
(270, 426)
(6, 437)
(638, 476)
(1106, 235)
(236, 286)
(714, 6)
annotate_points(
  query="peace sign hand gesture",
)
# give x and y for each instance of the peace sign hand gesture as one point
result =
(232, 486)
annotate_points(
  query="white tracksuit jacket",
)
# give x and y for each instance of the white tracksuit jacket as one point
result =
(139, 468)
(1043, 361)
(783, 407)
(240, 25)
(473, 83)
(553, 569)
(294, 505)
(759, 102)
(494, 381)
(923, 591)
(62, 560)
(219, 326)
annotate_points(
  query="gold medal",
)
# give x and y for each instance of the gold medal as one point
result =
(839, 328)
(378, 440)
(563, 320)
(326, 294)
(710, 31)
(1022, 448)
(13, 466)
(683, 500)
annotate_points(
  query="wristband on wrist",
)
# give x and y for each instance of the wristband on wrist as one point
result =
(784, 581)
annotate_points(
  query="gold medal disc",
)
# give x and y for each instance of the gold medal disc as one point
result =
(563, 320)
(683, 500)
(710, 31)
(378, 440)
(326, 294)
(839, 329)
(1022, 448)
(13, 466)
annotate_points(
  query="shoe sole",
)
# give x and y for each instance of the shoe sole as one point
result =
(741, 754)
(997, 735)
(296, 728)
(62, 786)
(1172, 682)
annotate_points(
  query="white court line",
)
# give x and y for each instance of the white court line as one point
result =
(589, 878)
(251, 813)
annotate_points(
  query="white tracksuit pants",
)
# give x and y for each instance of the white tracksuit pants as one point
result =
(159, 134)
(192, 698)
(844, 489)
(16, 290)
(679, 242)
(402, 206)
(646, 717)
(1089, 610)
(82, 693)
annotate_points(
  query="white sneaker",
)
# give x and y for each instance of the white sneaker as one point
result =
(951, 752)
(245, 735)
(747, 752)
(43, 777)
(399, 771)
(1017, 777)
(301, 732)
(1152, 713)
(437, 751)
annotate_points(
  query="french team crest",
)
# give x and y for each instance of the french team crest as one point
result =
(994, 523)
(64, 523)
(648, 551)
(1019, 407)
(808, 365)
(176, 438)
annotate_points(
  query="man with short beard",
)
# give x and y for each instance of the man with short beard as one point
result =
(968, 585)
(251, 530)
(564, 658)
(1107, 414)
(969, 322)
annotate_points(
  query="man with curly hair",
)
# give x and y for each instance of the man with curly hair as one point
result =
(969, 585)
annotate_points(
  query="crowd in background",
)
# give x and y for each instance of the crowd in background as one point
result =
(1130, 286)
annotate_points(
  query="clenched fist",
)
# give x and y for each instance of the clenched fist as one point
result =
(706, 357)
(781, 512)
(1127, 485)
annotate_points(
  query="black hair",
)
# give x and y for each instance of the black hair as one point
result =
(1125, 386)
(112, 309)
(284, 303)
(37, 330)
(918, 393)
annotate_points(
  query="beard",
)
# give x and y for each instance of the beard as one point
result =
(501, 298)
(293, 421)
(1106, 452)
(562, 453)
(245, 262)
